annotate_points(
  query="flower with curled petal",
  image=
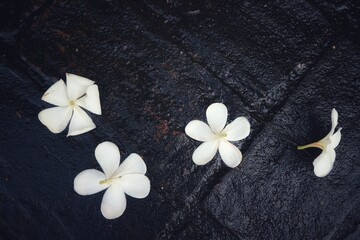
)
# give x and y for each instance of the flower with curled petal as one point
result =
(68, 98)
(216, 136)
(324, 163)
(127, 178)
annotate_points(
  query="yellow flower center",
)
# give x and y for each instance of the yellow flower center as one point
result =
(72, 103)
(106, 181)
(222, 135)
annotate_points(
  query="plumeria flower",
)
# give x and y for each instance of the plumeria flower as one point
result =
(127, 178)
(323, 164)
(216, 136)
(68, 98)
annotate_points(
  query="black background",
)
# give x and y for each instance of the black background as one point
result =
(158, 64)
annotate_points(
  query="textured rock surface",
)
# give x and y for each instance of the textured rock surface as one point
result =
(282, 64)
(275, 191)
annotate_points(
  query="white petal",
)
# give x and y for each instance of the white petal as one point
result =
(237, 129)
(55, 119)
(133, 164)
(199, 131)
(205, 152)
(80, 122)
(113, 203)
(91, 101)
(334, 123)
(77, 86)
(57, 94)
(230, 154)
(88, 182)
(135, 185)
(322, 164)
(332, 154)
(108, 156)
(216, 115)
(335, 139)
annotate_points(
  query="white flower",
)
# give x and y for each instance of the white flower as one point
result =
(79, 92)
(217, 137)
(127, 178)
(323, 164)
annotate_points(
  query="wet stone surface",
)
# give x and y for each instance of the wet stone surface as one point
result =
(158, 64)
(275, 191)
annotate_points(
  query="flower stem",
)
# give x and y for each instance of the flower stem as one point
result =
(315, 144)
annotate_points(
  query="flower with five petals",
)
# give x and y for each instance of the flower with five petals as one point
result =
(324, 163)
(127, 178)
(78, 92)
(216, 136)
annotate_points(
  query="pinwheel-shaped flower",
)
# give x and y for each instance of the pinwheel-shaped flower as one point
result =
(79, 92)
(214, 136)
(127, 178)
(323, 164)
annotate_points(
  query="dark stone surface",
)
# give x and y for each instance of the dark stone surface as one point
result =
(275, 192)
(282, 64)
(262, 51)
(343, 15)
